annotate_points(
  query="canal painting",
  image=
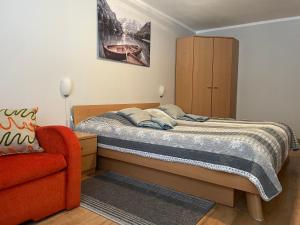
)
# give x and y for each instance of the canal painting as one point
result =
(122, 35)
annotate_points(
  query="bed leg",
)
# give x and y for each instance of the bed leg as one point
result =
(254, 205)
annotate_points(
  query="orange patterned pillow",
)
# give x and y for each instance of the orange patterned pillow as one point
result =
(17, 131)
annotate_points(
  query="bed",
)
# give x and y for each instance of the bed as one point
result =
(181, 175)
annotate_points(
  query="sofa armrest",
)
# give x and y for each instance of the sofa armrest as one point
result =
(60, 139)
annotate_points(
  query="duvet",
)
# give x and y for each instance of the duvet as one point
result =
(255, 150)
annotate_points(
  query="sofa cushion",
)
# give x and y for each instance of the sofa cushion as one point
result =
(17, 131)
(21, 168)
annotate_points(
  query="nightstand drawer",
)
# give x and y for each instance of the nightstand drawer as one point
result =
(88, 143)
(88, 146)
(88, 162)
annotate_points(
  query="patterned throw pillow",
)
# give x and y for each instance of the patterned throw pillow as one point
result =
(17, 131)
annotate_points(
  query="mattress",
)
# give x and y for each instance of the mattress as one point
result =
(255, 150)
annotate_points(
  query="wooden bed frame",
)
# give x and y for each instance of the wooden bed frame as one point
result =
(209, 184)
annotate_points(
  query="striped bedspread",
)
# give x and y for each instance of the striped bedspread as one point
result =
(255, 150)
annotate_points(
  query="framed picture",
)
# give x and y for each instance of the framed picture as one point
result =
(122, 36)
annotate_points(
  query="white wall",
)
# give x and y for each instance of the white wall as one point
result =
(269, 71)
(43, 41)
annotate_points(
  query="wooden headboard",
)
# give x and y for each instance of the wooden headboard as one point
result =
(82, 112)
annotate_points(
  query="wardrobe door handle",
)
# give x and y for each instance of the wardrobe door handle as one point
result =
(216, 87)
(209, 87)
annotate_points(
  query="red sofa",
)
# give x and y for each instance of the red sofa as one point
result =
(34, 186)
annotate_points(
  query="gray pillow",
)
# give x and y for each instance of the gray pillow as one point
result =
(172, 110)
(142, 118)
(157, 113)
(150, 124)
(128, 111)
(164, 124)
(135, 115)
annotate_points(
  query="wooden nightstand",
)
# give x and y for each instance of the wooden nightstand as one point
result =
(88, 144)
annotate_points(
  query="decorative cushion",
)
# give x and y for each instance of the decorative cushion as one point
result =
(17, 131)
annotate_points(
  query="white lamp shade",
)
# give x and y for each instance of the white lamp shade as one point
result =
(65, 86)
(161, 91)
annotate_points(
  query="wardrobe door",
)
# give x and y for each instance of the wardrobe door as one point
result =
(202, 76)
(184, 73)
(223, 79)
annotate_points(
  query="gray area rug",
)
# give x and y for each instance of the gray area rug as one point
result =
(131, 202)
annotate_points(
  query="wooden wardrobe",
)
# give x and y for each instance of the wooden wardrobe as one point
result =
(206, 75)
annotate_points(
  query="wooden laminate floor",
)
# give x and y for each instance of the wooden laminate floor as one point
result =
(283, 210)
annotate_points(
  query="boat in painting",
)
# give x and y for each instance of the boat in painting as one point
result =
(131, 58)
(119, 52)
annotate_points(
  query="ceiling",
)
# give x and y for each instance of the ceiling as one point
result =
(207, 14)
